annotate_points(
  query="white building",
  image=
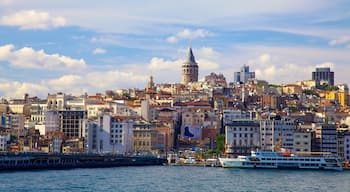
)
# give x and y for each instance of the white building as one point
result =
(276, 134)
(242, 136)
(37, 113)
(231, 115)
(95, 108)
(121, 109)
(110, 134)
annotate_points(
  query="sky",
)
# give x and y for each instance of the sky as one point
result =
(91, 46)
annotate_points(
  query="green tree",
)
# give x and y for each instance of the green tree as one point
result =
(220, 143)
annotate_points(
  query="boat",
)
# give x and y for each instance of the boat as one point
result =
(284, 160)
(27, 161)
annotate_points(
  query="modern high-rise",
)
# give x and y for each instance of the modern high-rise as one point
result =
(244, 75)
(189, 69)
(327, 135)
(323, 75)
(70, 122)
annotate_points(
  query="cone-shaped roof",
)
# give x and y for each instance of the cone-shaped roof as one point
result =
(190, 58)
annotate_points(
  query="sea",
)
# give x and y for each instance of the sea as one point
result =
(174, 178)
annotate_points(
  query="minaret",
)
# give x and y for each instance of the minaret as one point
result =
(150, 83)
(189, 69)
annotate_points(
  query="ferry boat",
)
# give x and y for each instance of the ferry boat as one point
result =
(23, 161)
(283, 160)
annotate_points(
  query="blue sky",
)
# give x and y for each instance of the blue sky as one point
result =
(88, 46)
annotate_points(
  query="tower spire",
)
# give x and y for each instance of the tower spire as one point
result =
(189, 68)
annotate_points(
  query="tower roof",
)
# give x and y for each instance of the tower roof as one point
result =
(190, 58)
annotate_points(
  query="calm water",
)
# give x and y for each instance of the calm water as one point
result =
(174, 178)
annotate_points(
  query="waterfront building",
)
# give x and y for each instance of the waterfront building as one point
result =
(276, 134)
(71, 122)
(165, 135)
(145, 137)
(4, 138)
(192, 124)
(110, 134)
(242, 136)
(13, 122)
(244, 75)
(302, 141)
(327, 136)
(323, 75)
(189, 69)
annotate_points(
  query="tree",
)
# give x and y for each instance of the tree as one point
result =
(220, 143)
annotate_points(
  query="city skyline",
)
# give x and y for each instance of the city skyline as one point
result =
(64, 46)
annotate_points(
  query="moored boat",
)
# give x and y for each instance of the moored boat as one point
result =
(23, 161)
(282, 160)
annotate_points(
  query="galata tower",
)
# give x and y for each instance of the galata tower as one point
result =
(189, 69)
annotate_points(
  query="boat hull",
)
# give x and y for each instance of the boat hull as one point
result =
(239, 163)
(47, 161)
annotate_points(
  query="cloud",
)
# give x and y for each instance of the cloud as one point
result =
(29, 58)
(16, 89)
(189, 34)
(6, 2)
(205, 63)
(161, 64)
(340, 41)
(273, 69)
(98, 51)
(264, 58)
(326, 64)
(172, 39)
(32, 19)
(74, 84)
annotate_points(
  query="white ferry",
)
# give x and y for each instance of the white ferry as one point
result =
(283, 160)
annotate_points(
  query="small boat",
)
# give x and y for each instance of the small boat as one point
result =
(283, 160)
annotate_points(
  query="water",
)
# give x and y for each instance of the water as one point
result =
(174, 178)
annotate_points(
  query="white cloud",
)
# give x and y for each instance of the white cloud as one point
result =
(6, 2)
(340, 41)
(98, 51)
(161, 64)
(172, 39)
(207, 65)
(275, 70)
(326, 64)
(32, 20)
(29, 58)
(264, 58)
(17, 89)
(189, 34)
(207, 52)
